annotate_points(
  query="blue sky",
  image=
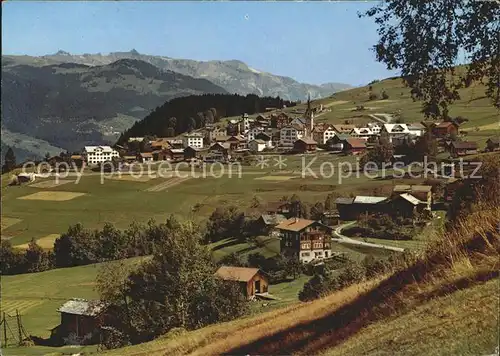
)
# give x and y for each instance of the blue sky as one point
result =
(313, 42)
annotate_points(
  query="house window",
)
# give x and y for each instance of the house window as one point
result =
(305, 254)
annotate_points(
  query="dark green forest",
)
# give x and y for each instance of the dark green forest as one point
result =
(180, 115)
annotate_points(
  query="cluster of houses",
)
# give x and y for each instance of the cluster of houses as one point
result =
(309, 240)
(279, 132)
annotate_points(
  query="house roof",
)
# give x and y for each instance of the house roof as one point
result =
(300, 120)
(196, 149)
(76, 156)
(393, 128)
(79, 306)
(321, 127)
(307, 141)
(412, 188)
(343, 128)
(177, 150)
(464, 145)
(193, 134)
(268, 136)
(273, 219)
(146, 154)
(297, 127)
(361, 199)
(344, 200)
(416, 126)
(225, 145)
(445, 124)
(410, 198)
(174, 141)
(92, 149)
(129, 157)
(295, 224)
(276, 205)
(340, 136)
(494, 140)
(262, 142)
(355, 142)
(362, 131)
(240, 274)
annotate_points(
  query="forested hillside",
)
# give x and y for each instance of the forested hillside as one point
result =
(182, 114)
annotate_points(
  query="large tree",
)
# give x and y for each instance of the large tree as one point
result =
(425, 40)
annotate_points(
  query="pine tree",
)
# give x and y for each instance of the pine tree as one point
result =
(10, 161)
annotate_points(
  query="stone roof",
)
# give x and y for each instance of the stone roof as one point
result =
(85, 307)
(361, 199)
(273, 219)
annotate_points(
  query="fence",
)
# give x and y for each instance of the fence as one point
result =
(12, 330)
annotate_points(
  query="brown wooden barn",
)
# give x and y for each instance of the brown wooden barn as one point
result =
(445, 128)
(252, 280)
(304, 145)
(81, 320)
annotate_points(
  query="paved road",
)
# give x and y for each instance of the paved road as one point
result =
(348, 241)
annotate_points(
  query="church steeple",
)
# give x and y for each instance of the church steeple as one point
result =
(309, 116)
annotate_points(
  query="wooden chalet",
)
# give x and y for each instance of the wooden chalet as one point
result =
(304, 239)
(81, 321)
(353, 146)
(175, 154)
(407, 205)
(352, 208)
(421, 192)
(251, 280)
(145, 157)
(160, 144)
(462, 148)
(195, 153)
(445, 128)
(305, 145)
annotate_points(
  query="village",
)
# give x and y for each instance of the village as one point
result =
(279, 133)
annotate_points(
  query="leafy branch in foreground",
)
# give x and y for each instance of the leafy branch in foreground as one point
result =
(427, 39)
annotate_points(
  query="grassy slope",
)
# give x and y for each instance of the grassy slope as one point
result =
(472, 105)
(445, 303)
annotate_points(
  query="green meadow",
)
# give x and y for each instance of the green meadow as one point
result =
(123, 201)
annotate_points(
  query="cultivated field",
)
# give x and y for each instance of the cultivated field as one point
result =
(50, 183)
(52, 196)
(29, 212)
(46, 242)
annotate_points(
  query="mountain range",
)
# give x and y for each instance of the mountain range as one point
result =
(63, 101)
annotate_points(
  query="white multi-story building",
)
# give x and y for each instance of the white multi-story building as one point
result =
(193, 139)
(362, 132)
(99, 154)
(322, 133)
(290, 134)
(397, 132)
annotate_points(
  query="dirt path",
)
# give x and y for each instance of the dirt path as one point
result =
(385, 119)
(347, 240)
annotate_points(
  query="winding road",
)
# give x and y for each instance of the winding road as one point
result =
(348, 241)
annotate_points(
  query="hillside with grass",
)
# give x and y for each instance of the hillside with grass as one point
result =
(391, 98)
(441, 303)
